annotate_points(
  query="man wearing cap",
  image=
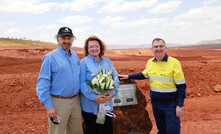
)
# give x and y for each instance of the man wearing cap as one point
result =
(58, 86)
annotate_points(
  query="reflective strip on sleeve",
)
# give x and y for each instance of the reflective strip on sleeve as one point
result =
(145, 76)
(161, 79)
(178, 82)
(163, 90)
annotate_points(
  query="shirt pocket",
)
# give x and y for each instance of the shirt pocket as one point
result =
(151, 72)
(166, 73)
(151, 75)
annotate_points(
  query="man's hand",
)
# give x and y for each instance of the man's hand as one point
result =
(52, 113)
(179, 111)
(123, 77)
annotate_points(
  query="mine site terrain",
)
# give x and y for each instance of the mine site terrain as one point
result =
(22, 113)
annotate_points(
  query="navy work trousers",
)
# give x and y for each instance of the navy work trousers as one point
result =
(165, 117)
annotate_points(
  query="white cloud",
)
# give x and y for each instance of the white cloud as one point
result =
(12, 23)
(48, 31)
(116, 22)
(120, 22)
(203, 20)
(76, 19)
(194, 25)
(166, 7)
(49, 27)
(112, 21)
(149, 21)
(79, 5)
(190, 27)
(118, 6)
(15, 32)
(209, 2)
(79, 30)
(81, 34)
(25, 6)
(106, 33)
(199, 15)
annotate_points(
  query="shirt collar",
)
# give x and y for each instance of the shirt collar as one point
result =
(165, 58)
(94, 59)
(62, 51)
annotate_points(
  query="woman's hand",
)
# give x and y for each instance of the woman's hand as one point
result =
(104, 98)
(101, 99)
(109, 96)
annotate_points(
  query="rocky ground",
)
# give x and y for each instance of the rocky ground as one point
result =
(21, 112)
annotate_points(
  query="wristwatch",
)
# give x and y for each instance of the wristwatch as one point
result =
(180, 105)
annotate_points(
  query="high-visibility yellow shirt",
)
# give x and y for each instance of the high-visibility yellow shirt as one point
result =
(164, 75)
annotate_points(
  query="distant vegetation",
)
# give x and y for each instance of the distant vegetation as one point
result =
(23, 42)
(207, 46)
(213, 44)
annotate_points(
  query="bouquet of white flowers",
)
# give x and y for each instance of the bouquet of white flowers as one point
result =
(102, 83)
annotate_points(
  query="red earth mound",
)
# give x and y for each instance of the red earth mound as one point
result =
(21, 112)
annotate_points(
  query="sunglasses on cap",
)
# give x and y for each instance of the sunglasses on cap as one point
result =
(56, 120)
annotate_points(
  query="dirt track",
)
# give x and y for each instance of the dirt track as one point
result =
(21, 112)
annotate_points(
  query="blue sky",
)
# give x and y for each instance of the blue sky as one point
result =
(116, 22)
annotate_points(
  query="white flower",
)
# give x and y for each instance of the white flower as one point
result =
(111, 84)
(95, 81)
(102, 82)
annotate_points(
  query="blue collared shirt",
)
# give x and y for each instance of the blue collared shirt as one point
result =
(59, 75)
(89, 66)
(165, 58)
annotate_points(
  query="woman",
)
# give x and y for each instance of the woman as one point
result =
(94, 61)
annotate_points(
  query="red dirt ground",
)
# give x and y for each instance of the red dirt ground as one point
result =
(22, 113)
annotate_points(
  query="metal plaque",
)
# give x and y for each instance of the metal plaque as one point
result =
(126, 94)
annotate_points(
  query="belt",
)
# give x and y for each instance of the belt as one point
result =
(63, 97)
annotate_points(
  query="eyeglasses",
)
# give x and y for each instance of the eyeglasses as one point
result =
(160, 46)
(56, 120)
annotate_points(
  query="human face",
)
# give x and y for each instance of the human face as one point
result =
(65, 42)
(94, 48)
(159, 48)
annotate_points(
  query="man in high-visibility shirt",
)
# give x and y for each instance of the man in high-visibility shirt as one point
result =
(167, 88)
